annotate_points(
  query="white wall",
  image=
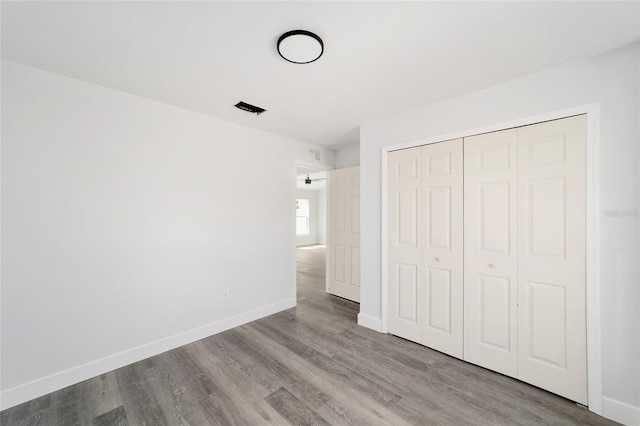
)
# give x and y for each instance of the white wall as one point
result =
(125, 221)
(312, 238)
(348, 156)
(322, 216)
(610, 80)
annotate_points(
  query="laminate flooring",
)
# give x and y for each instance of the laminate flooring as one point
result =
(310, 365)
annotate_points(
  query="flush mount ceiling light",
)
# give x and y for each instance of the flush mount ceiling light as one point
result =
(300, 46)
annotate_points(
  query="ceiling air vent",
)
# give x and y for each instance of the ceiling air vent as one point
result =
(250, 108)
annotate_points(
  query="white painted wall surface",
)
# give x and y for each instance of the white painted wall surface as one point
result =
(124, 222)
(322, 216)
(612, 80)
(348, 157)
(312, 238)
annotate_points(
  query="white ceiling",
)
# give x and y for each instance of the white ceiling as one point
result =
(380, 57)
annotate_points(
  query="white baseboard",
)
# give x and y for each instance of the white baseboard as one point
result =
(620, 412)
(370, 322)
(28, 391)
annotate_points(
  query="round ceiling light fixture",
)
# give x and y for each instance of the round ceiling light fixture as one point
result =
(300, 46)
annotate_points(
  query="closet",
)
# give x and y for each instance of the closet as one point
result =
(486, 251)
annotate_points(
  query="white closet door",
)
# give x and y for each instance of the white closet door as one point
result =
(404, 236)
(551, 257)
(490, 252)
(343, 278)
(442, 247)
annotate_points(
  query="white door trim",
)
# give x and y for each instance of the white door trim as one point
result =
(594, 364)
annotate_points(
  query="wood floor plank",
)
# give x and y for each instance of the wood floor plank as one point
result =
(35, 412)
(115, 417)
(352, 399)
(327, 365)
(225, 347)
(235, 400)
(311, 364)
(219, 407)
(373, 364)
(140, 404)
(98, 396)
(277, 370)
(65, 406)
(335, 414)
(177, 390)
(294, 410)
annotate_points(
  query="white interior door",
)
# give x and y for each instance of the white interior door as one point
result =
(343, 278)
(405, 243)
(490, 251)
(551, 257)
(442, 247)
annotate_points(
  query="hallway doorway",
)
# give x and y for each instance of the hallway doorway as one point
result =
(311, 270)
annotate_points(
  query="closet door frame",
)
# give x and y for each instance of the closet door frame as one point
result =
(592, 112)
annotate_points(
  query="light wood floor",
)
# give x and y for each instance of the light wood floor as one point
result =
(307, 365)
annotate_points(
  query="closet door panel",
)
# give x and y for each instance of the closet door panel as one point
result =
(437, 303)
(405, 245)
(442, 247)
(551, 263)
(490, 256)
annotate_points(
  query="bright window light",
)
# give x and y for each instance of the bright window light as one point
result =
(302, 216)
